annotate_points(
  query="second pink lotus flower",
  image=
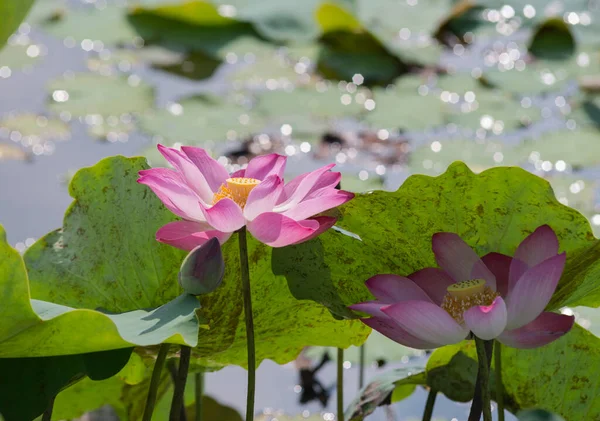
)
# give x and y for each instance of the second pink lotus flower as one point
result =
(495, 297)
(213, 203)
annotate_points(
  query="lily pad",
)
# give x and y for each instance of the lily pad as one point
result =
(350, 48)
(403, 107)
(201, 119)
(36, 127)
(10, 151)
(12, 12)
(194, 25)
(552, 40)
(108, 26)
(435, 157)
(88, 93)
(326, 103)
(566, 146)
(16, 57)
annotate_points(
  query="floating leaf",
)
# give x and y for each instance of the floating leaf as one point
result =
(349, 48)
(36, 128)
(88, 93)
(200, 119)
(12, 12)
(404, 108)
(15, 56)
(9, 151)
(108, 26)
(552, 40)
(195, 25)
(566, 146)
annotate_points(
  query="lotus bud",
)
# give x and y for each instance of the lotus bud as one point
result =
(202, 270)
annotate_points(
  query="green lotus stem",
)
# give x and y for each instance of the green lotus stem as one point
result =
(484, 377)
(428, 412)
(48, 412)
(361, 369)
(477, 405)
(499, 385)
(178, 393)
(199, 393)
(155, 381)
(340, 384)
(245, 272)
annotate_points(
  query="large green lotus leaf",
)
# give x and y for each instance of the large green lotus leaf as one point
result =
(29, 384)
(538, 415)
(105, 255)
(12, 12)
(492, 211)
(286, 318)
(88, 395)
(35, 328)
(558, 377)
(89, 93)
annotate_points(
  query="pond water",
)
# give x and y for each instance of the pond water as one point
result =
(78, 84)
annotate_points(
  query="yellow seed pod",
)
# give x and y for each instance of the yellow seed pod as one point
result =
(466, 288)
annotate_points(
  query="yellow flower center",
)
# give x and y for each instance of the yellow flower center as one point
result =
(236, 189)
(464, 295)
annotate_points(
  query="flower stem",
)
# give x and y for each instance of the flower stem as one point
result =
(428, 412)
(199, 392)
(340, 384)
(177, 402)
(48, 412)
(155, 381)
(477, 404)
(499, 385)
(361, 369)
(483, 374)
(245, 272)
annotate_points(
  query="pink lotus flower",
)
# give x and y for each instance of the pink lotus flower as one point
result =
(214, 203)
(495, 297)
